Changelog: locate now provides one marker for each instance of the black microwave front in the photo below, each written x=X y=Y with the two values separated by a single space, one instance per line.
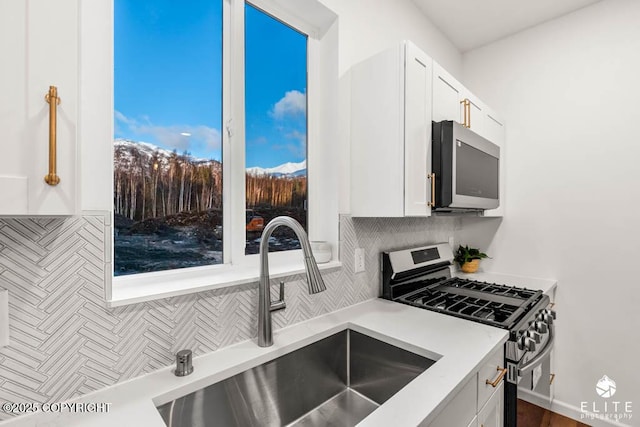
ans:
x=466 y=168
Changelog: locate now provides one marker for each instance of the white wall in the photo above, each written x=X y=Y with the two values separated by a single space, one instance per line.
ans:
x=367 y=27
x=371 y=26
x=569 y=92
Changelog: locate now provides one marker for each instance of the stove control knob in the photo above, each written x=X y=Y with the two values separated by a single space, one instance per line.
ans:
x=541 y=326
x=546 y=318
x=526 y=343
x=534 y=335
x=549 y=312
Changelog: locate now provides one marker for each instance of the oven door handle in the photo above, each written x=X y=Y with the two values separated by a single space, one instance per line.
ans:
x=538 y=359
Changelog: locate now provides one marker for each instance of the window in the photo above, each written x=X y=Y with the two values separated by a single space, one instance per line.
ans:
x=175 y=197
x=276 y=127
x=167 y=148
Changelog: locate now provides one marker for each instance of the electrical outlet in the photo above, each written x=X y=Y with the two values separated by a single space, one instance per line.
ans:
x=451 y=242
x=359 y=260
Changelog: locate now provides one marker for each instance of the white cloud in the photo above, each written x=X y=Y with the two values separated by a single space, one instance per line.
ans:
x=295 y=149
x=261 y=140
x=299 y=137
x=122 y=118
x=171 y=137
x=294 y=103
x=298 y=146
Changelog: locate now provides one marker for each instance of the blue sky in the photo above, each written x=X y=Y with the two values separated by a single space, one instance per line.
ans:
x=168 y=80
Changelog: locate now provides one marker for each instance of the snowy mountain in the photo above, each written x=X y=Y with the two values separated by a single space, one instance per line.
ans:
x=126 y=151
x=286 y=169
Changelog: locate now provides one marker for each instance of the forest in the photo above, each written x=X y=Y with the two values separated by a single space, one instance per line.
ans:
x=155 y=184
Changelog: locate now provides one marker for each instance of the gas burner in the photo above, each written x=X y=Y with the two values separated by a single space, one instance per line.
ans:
x=490 y=303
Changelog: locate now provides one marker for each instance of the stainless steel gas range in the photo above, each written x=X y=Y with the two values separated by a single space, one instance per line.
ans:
x=422 y=277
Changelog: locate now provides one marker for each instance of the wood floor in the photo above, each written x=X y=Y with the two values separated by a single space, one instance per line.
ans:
x=534 y=416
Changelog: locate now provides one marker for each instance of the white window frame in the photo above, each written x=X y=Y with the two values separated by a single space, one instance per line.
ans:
x=307 y=16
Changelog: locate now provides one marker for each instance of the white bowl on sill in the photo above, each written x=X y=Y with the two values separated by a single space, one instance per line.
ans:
x=321 y=251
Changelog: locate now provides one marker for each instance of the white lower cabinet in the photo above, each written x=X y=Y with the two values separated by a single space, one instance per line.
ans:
x=461 y=410
x=478 y=403
x=492 y=414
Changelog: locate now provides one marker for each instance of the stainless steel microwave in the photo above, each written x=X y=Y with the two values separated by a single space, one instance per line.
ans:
x=466 y=168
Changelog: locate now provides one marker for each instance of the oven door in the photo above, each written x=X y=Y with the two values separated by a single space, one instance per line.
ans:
x=534 y=372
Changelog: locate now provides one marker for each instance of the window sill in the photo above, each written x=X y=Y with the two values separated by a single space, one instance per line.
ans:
x=126 y=291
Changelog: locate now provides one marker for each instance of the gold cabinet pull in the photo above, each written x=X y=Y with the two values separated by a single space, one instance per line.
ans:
x=432 y=178
x=466 y=105
x=551 y=378
x=495 y=382
x=53 y=100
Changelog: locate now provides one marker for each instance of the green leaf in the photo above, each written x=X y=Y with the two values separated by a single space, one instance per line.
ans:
x=466 y=254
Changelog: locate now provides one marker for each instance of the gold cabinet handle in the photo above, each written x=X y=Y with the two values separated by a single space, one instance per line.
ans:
x=495 y=382
x=432 y=178
x=551 y=378
x=553 y=304
x=466 y=105
x=53 y=100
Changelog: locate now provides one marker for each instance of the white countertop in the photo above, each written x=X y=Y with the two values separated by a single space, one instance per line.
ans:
x=459 y=346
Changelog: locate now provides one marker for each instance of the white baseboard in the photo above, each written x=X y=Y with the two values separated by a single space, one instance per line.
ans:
x=565 y=409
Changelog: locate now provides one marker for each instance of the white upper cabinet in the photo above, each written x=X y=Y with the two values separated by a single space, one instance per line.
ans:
x=493 y=130
x=39 y=49
x=475 y=113
x=447 y=96
x=452 y=101
x=391 y=134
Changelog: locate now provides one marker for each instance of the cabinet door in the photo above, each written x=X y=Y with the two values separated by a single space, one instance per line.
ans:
x=494 y=132
x=461 y=410
x=490 y=372
x=492 y=414
x=417 y=122
x=39 y=44
x=476 y=113
x=13 y=48
x=447 y=94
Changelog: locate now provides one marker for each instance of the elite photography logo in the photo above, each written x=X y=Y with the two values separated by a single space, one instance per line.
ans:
x=603 y=408
x=606 y=387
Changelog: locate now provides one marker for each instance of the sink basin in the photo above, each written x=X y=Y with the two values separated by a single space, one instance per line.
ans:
x=336 y=381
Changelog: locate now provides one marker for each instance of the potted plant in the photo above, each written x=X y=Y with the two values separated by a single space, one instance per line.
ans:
x=469 y=258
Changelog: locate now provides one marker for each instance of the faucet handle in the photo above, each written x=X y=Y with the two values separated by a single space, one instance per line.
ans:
x=280 y=304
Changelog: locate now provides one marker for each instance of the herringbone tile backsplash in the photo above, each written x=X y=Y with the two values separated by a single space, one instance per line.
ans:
x=65 y=342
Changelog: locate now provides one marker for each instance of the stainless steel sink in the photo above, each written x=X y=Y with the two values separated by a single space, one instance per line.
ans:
x=336 y=381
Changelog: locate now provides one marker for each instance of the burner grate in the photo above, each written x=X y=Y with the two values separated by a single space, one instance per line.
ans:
x=490 y=303
x=493 y=288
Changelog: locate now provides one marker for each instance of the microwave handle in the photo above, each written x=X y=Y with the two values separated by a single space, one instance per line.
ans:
x=432 y=178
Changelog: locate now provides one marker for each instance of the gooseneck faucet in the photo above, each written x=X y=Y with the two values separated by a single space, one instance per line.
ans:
x=314 y=279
